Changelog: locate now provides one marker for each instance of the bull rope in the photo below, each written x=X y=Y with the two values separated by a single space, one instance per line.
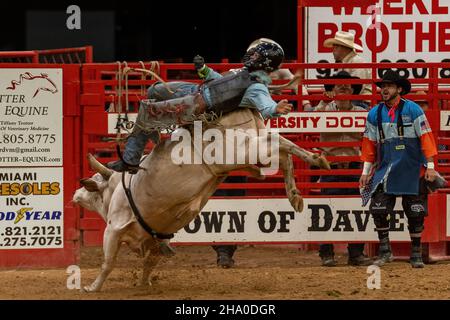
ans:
x=137 y=214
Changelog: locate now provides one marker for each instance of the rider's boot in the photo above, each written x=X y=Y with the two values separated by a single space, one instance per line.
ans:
x=133 y=152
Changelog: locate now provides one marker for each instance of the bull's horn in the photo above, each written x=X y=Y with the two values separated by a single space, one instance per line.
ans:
x=290 y=85
x=98 y=167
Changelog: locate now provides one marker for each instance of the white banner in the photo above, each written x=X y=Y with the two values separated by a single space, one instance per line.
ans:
x=31 y=208
x=306 y=122
x=274 y=220
x=445 y=120
x=302 y=122
x=409 y=31
x=31 y=117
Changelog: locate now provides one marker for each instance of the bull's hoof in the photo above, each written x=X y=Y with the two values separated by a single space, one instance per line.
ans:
x=166 y=249
x=296 y=202
x=145 y=283
x=91 y=288
x=323 y=163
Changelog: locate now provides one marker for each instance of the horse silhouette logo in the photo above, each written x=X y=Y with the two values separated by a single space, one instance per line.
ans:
x=43 y=82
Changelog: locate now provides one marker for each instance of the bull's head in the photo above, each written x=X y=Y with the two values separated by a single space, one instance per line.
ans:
x=90 y=195
x=93 y=195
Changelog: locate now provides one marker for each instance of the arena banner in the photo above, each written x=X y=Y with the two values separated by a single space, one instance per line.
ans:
x=406 y=31
x=31 y=208
x=31 y=117
x=308 y=122
x=445 y=120
x=274 y=220
x=302 y=122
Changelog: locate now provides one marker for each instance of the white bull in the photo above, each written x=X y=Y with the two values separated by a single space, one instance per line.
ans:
x=96 y=195
x=170 y=196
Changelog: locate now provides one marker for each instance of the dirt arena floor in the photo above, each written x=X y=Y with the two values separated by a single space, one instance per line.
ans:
x=260 y=273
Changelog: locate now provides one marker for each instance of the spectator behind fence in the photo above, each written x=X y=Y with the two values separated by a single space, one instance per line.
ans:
x=355 y=250
x=344 y=51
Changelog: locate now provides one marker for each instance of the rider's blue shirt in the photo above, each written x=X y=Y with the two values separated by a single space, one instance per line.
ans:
x=256 y=96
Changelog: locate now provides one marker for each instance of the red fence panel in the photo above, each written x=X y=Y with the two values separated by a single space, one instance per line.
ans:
x=66 y=55
x=19 y=57
x=62 y=56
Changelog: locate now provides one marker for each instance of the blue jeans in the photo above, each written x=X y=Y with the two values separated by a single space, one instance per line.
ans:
x=138 y=140
x=159 y=91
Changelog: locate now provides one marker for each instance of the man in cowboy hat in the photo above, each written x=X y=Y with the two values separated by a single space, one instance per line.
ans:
x=398 y=137
x=344 y=51
x=355 y=250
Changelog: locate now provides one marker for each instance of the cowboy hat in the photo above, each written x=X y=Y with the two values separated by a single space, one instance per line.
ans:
x=390 y=76
x=344 y=75
x=342 y=38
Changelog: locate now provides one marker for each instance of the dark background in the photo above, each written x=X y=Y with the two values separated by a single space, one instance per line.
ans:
x=152 y=30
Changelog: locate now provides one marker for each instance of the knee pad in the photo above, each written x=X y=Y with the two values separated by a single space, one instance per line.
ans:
x=414 y=207
x=381 y=204
x=415 y=224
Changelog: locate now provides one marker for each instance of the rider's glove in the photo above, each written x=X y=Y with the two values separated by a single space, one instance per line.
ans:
x=200 y=66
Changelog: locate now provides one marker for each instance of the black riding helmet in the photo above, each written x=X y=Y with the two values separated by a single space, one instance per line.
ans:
x=270 y=55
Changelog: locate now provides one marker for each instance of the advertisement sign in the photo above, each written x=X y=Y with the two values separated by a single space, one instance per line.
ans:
x=274 y=220
x=31 y=208
x=406 y=31
x=31 y=104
